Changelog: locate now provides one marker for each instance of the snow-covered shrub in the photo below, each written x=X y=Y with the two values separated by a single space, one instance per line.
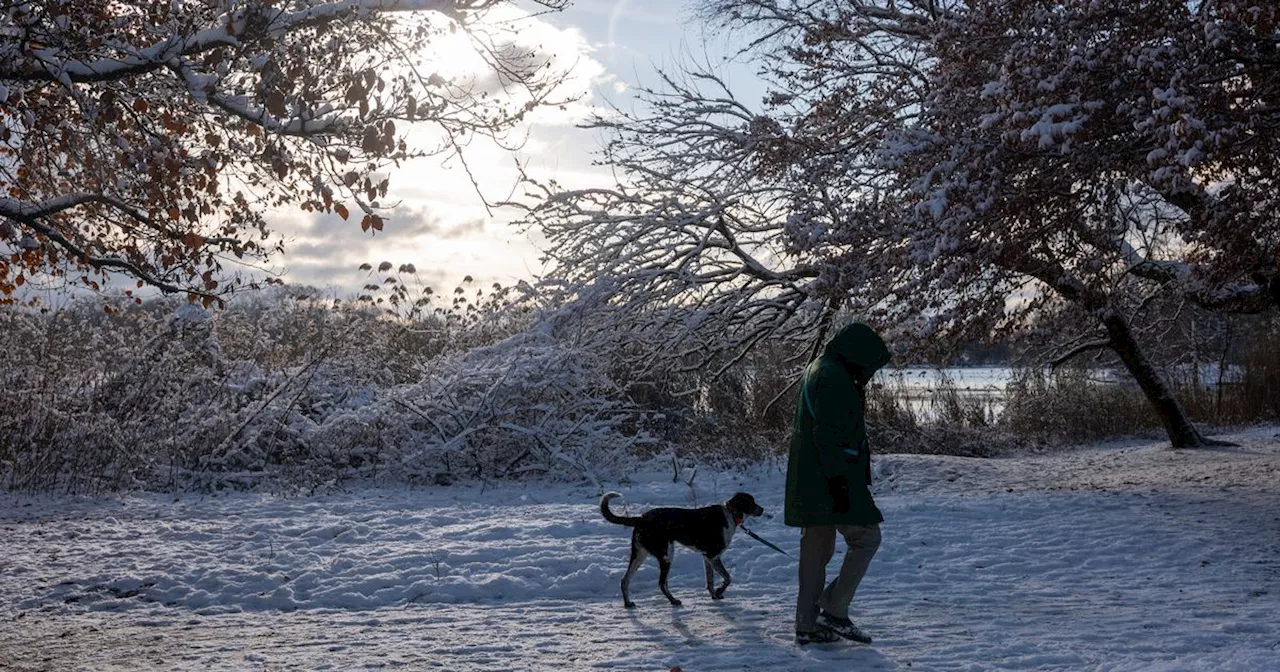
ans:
x=64 y=416
x=292 y=389
x=528 y=405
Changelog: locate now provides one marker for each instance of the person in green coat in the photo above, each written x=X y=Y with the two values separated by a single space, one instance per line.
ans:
x=829 y=482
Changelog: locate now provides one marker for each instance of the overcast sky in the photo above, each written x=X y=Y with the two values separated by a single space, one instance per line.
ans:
x=441 y=225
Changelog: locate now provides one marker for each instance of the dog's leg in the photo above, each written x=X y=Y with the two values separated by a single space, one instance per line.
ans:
x=664 y=568
x=711 y=585
x=638 y=554
x=718 y=594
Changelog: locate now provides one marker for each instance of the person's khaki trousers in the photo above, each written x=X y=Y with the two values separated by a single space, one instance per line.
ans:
x=817 y=545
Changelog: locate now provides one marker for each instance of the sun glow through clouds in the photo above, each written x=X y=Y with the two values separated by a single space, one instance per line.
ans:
x=439 y=220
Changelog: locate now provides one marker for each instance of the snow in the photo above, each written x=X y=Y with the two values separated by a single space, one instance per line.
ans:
x=68 y=71
x=190 y=313
x=1125 y=556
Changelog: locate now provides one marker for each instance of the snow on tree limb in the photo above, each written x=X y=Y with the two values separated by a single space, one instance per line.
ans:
x=50 y=65
x=950 y=170
x=149 y=138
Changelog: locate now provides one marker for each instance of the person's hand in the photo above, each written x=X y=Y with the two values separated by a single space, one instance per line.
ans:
x=839 y=489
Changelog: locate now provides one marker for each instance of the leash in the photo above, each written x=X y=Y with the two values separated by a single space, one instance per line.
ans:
x=764 y=541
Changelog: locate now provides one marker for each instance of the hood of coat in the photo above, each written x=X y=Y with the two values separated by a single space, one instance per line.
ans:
x=860 y=349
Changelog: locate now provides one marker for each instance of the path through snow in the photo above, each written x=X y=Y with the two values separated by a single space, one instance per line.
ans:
x=1126 y=557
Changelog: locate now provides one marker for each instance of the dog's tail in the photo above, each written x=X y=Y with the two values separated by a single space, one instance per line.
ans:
x=629 y=521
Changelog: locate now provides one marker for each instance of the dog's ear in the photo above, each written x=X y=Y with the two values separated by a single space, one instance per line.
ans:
x=745 y=503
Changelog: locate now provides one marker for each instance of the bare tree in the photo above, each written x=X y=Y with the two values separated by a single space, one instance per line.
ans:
x=686 y=249
x=951 y=170
x=149 y=137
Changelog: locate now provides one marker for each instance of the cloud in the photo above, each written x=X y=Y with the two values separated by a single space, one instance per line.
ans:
x=418 y=221
x=441 y=223
x=565 y=50
x=322 y=250
x=327 y=236
x=614 y=16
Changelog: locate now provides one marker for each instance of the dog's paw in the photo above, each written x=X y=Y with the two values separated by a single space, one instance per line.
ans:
x=676 y=603
x=719 y=594
x=629 y=605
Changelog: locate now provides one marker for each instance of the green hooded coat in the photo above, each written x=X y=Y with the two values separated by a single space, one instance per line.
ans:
x=829 y=434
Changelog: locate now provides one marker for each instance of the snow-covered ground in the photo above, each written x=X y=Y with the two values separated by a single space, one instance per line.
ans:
x=1120 y=557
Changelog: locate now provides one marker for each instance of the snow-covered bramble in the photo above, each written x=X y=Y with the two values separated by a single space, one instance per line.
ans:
x=290 y=389
x=527 y=405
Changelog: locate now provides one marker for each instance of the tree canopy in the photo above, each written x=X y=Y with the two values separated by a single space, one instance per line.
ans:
x=149 y=138
x=950 y=170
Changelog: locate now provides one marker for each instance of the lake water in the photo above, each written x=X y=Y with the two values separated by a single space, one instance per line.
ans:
x=977 y=379
x=922 y=386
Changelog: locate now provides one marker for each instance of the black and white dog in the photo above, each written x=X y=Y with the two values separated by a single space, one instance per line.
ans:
x=707 y=530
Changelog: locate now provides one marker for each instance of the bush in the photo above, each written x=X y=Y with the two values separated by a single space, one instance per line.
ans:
x=296 y=390
x=1069 y=406
x=1077 y=404
x=528 y=405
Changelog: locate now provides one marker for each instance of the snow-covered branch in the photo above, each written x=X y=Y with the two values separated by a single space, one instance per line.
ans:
x=110 y=263
x=239 y=19
x=205 y=88
x=953 y=171
x=30 y=211
x=151 y=140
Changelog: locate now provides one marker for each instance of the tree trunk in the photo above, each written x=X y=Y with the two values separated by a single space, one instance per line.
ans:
x=1182 y=434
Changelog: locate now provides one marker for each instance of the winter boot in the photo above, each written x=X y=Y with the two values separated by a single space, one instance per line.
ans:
x=819 y=636
x=843 y=627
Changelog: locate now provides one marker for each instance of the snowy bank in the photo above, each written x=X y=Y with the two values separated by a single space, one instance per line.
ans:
x=1120 y=557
